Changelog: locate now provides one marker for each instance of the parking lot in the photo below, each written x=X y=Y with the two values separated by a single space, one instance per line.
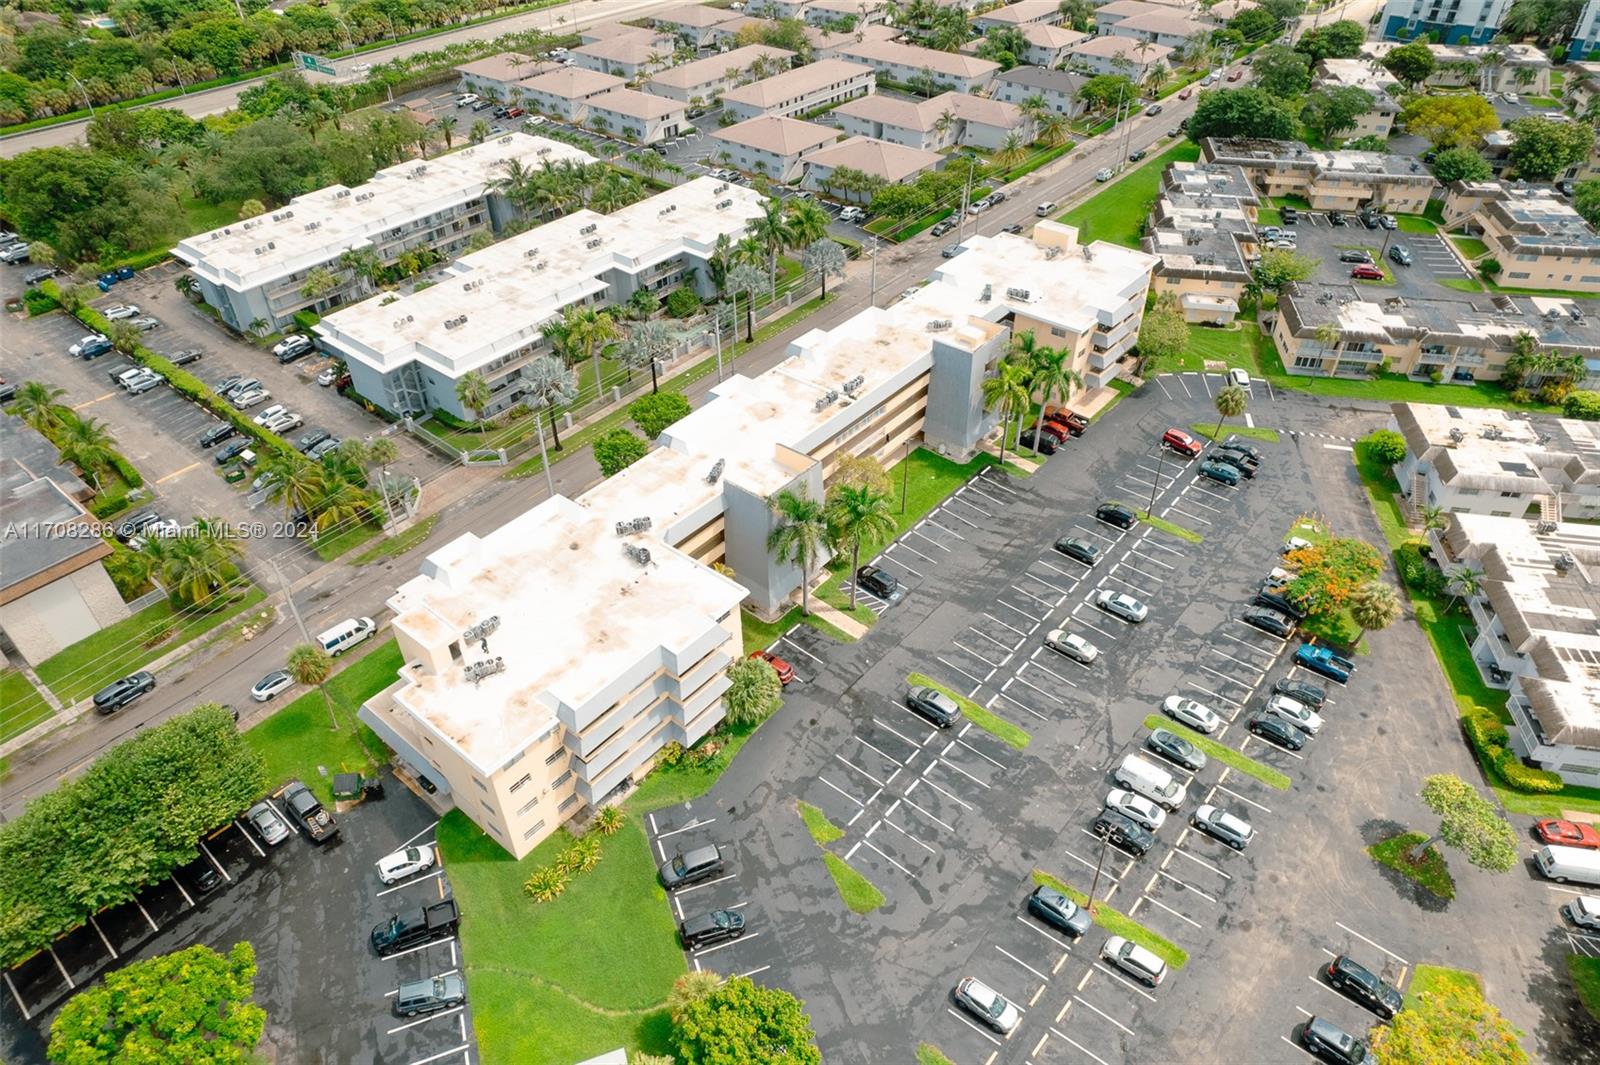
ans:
x=307 y=910
x=1431 y=261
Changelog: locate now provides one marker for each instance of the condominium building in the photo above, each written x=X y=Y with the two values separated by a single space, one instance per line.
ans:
x=487 y=315
x=1449 y=21
x=255 y=269
x=629 y=56
x=773 y=146
x=944 y=121
x=858 y=12
x=1330 y=181
x=1108 y=15
x=1369 y=77
x=700 y=82
x=1048 y=46
x=911 y=64
x=825 y=44
x=1167 y=28
x=1586 y=34
x=726 y=36
x=640 y=117
x=1112 y=54
x=1017 y=15
x=892 y=163
x=800 y=90
x=1536 y=632
x=497 y=76
x=565 y=93
x=526 y=716
x=1059 y=89
x=1203 y=227
x=1499 y=67
x=1227 y=9
x=693 y=24
x=611 y=31
x=1479 y=460
x=1540 y=240
x=1342 y=330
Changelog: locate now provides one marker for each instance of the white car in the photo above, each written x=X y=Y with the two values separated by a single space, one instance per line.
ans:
x=119 y=311
x=279 y=680
x=1134 y=960
x=466 y=99
x=328 y=376
x=1104 y=174
x=558 y=52
x=1239 y=377
x=283 y=422
x=1195 y=715
x=1584 y=911
x=404 y=863
x=144 y=382
x=1294 y=543
x=1072 y=645
x=92 y=340
x=1296 y=713
x=1122 y=605
x=1219 y=824
x=270 y=413
x=1136 y=807
x=852 y=214
x=16 y=252
x=534 y=120
x=361 y=68
x=246 y=400
x=291 y=344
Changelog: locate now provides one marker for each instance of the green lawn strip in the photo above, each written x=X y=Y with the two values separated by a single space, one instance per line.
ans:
x=669 y=785
x=521 y=1019
x=117 y=650
x=21 y=705
x=830 y=592
x=1428 y=978
x=1169 y=527
x=1249 y=432
x=1222 y=753
x=858 y=893
x=1414 y=223
x=1235 y=347
x=1122 y=389
x=1430 y=872
x=928 y=1054
x=1471 y=247
x=1118 y=923
x=1552 y=293
x=1269 y=216
x=348 y=539
x=399 y=544
x=987 y=720
x=1117 y=214
x=1462 y=284
x=1585 y=973
x=822 y=830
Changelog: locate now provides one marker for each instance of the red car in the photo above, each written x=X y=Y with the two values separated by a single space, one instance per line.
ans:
x=1181 y=442
x=1367 y=273
x=1071 y=421
x=1236 y=75
x=1568 y=834
x=515 y=112
x=784 y=669
x=1185 y=94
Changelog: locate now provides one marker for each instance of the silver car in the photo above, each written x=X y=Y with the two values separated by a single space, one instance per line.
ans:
x=1072 y=645
x=268 y=823
x=1139 y=963
x=988 y=1005
x=1121 y=605
x=1218 y=823
x=1296 y=713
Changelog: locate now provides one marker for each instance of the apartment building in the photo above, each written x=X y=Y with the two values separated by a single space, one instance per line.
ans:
x=1017 y=15
x=825 y=44
x=1203 y=228
x=1109 y=14
x=1479 y=460
x=1540 y=240
x=911 y=64
x=773 y=146
x=1048 y=46
x=944 y=121
x=1227 y=9
x=1369 y=77
x=407 y=354
x=527 y=717
x=1342 y=330
x=565 y=93
x=700 y=82
x=1112 y=54
x=497 y=76
x=892 y=163
x=1057 y=88
x=1536 y=617
x=1449 y=21
x=1582 y=85
x=800 y=90
x=1500 y=67
x=640 y=117
x=1329 y=180
x=1166 y=28
x=858 y=12
x=693 y=24
x=631 y=56
x=778 y=8
x=255 y=268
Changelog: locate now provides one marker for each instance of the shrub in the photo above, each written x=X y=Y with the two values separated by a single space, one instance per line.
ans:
x=1489 y=266
x=1521 y=395
x=683 y=302
x=1585 y=405
x=754 y=692
x=109 y=503
x=1387 y=446
x=618 y=449
x=545 y=884
x=306 y=319
x=450 y=421
x=609 y=821
x=1526 y=778
x=1555 y=392
x=1484 y=732
x=39 y=302
x=582 y=856
x=671 y=755
x=653 y=413
x=126 y=471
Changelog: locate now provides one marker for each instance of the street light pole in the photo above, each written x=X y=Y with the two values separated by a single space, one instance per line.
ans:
x=905 y=477
x=873 y=296
x=1161 y=458
x=1094 y=885
x=88 y=102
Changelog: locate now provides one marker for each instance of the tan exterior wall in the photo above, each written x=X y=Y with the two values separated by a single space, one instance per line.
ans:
x=1195 y=286
x=61 y=613
x=1524 y=270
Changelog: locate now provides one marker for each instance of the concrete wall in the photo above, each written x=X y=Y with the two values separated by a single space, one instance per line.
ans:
x=956 y=419
x=748 y=522
x=61 y=613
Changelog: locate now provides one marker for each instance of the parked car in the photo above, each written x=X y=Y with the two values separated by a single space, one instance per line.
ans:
x=16 y=252
x=232 y=451
x=1122 y=831
x=951 y=251
x=1058 y=911
x=1241 y=463
x=1078 y=550
x=1358 y=982
x=1196 y=715
x=879 y=582
x=1181 y=442
x=1044 y=443
x=292 y=347
x=1013 y=228
x=408 y=861
x=328 y=376
x=705 y=929
x=1220 y=472
x=1137 y=808
x=1121 y=605
x=934 y=706
x=1400 y=254
x=327 y=447
x=691 y=867
x=120 y=312
x=435 y=921
x=1337 y=218
x=1045 y=209
x=1387 y=221
x=249 y=398
x=1289 y=215
x=1275 y=730
x=1139 y=963
x=1281 y=603
x=1116 y=514
x=185 y=356
x=311 y=438
x=284 y=422
x=1174 y=748
x=1218 y=823
x=38 y=274
x=279 y=680
x=201 y=876
x=1135 y=156
x=1325 y=661
x=1235 y=75
x=1567 y=833
x=429 y=995
x=145 y=322
x=1355 y=255
x=987 y=1004
x=852 y=214
x=1367 y=273
x=216 y=434
x=1186 y=92
x=1153 y=110
x=268 y=823
x=1327 y=1041
x=134 y=524
x=942 y=227
x=124 y=690
x=780 y=666
x=1105 y=173
x=1269 y=622
x=1070 y=420
x=1072 y=645
x=1302 y=691
x=1296 y=713
x=80 y=349
x=143 y=382
x=1583 y=911
x=270 y=413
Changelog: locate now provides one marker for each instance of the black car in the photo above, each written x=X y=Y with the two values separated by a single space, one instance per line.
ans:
x=135 y=524
x=880 y=582
x=704 y=929
x=311 y=438
x=941 y=228
x=1242 y=448
x=1080 y=550
x=1276 y=730
x=217 y=434
x=1124 y=832
x=1331 y=1043
x=1281 y=603
x=1116 y=514
x=1355 y=255
x=691 y=867
x=1174 y=748
x=1058 y=911
x=43 y=273
x=1302 y=691
x=1134 y=157
x=1269 y=622
x=1239 y=462
x=933 y=705
x=1337 y=218
x=201 y=876
x=1044 y=443
x=231 y=452
x=120 y=693
x=1358 y=982
x=1289 y=215
x=185 y=357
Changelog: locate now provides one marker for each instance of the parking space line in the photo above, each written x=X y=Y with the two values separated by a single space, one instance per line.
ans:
x=1112 y=576
x=677 y=894
x=1022 y=963
x=1185 y=885
x=1102 y=1012
x=996 y=500
x=1040 y=930
x=1201 y=862
x=463 y=1049
x=696 y=823
x=1145 y=541
x=917 y=531
x=1237 y=661
x=1035 y=598
x=956 y=498
x=248 y=838
x=425 y=1020
x=1052 y=672
x=452 y=939
x=1079 y=858
x=1036 y=688
x=15 y=996
x=868 y=843
x=947 y=529
x=959 y=802
x=897 y=732
x=413 y=838
x=974 y=1027
x=1169 y=909
x=1049 y=584
x=958 y=669
x=903 y=565
x=797 y=647
x=870 y=747
x=1214 y=695
x=409 y=883
x=902 y=543
x=906 y=798
x=1019 y=704
x=1080 y=1046
x=1242 y=798
x=1019 y=610
x=945 y=511
x=1380 y=946
x=1177 y=508
x=1140 y=572
x=1198 y=503
x=1075 y=575
x=906 y=834
x=844 y=761
x=1003 y=625
x=981 y=658
x=943 y=761
x=731 y=942
x=214 y=861
x=998 y=643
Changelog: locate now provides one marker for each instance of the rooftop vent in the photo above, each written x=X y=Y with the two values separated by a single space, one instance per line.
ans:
x=313 y=225
x=542 y=151
x=668 y=209
x=825 y=400
x=456 y=322
x=716 y=471
x=1564 y=562
x=590 y=228
x=988 y=291
x=721 y=204
x=530 y=253
x=595 y=243
x=938 y=325
x=476 y=672
x=482 y=630
x=1457 y=435
x=540 y=265
x=720 y=189
x=1019 y=294
x=640 y=555
x=341 y=194
x=632 y=526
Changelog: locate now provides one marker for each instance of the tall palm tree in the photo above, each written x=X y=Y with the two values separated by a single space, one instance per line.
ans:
x=1230 y=402
x=1011 y=150
x=798 y=535
x=807 y=223
x=198 y=565
x=1052 y=375
x=88 y=445
x=309 y=664
x=1465 y=584
x=549 y=382
x=36 y=404
x=295 y=481
x=747 y=278
x=772 y=231
x=342 y=502
x=472 y=392
x=645 y=344
x=1007 y=390
x=446 y=125
x=589 y=331
x=857 y=515
x=1374 y=606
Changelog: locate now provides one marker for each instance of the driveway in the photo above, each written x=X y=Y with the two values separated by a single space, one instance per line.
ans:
x=1431 y=262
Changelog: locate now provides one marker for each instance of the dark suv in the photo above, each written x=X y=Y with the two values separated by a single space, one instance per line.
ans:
x=1358 y=982
x=1116 y=514
x=1123 y=831
x=120 y=693
x=1302 y=691
x=1239 y=462
x=933 y=705
x=880 y=582
x=1331 y=1043
x=705 y=929
x=1281 y=603
x=701 y=863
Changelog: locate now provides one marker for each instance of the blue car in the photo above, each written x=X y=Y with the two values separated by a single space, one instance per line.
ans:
x=1324 y=661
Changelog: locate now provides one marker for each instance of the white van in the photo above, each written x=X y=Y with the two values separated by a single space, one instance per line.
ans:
x=1151 y=781
x=346 y=634
x=1562 y=864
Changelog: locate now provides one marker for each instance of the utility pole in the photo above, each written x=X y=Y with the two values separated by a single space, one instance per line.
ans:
x=1161 y=456
x=544 y=456
x=1105 y=844
x=305 y=636
x=873 y=288
x=905 y=477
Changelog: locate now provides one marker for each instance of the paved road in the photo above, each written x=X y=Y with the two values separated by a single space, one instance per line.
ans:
x=578 y=14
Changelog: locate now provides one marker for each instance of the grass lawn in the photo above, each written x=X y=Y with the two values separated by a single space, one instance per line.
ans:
x=835 y=596
x=858 y=893
x=391 y=546
x=1117 y=214
x=760 y=634
x=1586 y=979
x=987 y=720
x=1471 y=247
x=1249 y=432
x=1553 y=293
x=1169 y=527
x=300 y=741
x=330 y=548
x=1426 y=978
x=79 y=671
x=1462 y=284
x=668 y=785
x=1222 y=753
x=21 y=705
x=822 y=830
x=546 y=981
x=1415 y=223
x=1236 y=347
x=201 y=217
x=1118 y=923
x=1430 y=871
x=928 y=1054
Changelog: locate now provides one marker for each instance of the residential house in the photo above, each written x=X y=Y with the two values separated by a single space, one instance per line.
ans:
x=693 y=24
x=1540 y=240
x=800 y=90
x=772 y=146
x=1329 y=180
x=1166 y=28
x=639 y=117
x=627 y=57
x=892 y=163
x=1372 y=79
x=1119 y=55
x=910 y=64
x=1019 y=14
x=825 y=44
x=707 y=79
x=1057 y=88
x=497 y=76
x=566 y=93
x=1109 y=14
x=858 y=13
x=945 y=121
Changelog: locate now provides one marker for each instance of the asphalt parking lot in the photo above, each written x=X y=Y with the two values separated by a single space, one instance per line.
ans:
x=307 y=910
x=1431 y=261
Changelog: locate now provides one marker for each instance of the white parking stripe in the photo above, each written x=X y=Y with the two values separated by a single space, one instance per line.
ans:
x=959 y=802
x=1040 y=930
x=974 y=1027
x=1112 y=576
x=898 y=562
x=897 y=732
x=873 y=847
x=998 y=643
x=1201 y=862
x=1170 y=910
x=963 y=772
x=1014 y=629
x=1035 y=598
x=1080 y=858
x=1185 y=885
x=1214 y=695
x=797 y=647
x=1145 y=541
x=906 y=834
x=870 y=747
x=1036 y=688
x=907 y=798
x=1242 y=798
x=1080 y=1046
x=840 y=790
x=951 y=531
x=1022 y=963
x=1102 y=1012
x=1052 y=672
x=690 y=826
x=981 y=658
x=902 y=544
x=731 y=942
x=1380 y=946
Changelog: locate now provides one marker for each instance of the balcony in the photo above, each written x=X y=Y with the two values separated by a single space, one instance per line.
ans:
x=1464 y=358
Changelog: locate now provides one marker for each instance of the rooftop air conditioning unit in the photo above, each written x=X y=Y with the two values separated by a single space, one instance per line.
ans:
x=640 y=555
x=938 y=325
x=595 y=243
x=590 y=228
x=716 y=472
x=724 y=204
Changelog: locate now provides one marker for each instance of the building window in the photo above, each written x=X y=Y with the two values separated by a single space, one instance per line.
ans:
x=529 y=834
x=525 y=778
x=567 y=802
x=562 y=779
x=530 y=804
x=480 y=783
x=555 y=756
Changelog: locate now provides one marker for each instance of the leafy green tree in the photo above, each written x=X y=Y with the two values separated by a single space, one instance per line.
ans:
x=1163 y=334
x=1281 y=71
x=1106 y=90
x=1543 y=148
x=1332 y=111
x=1448 y=1024
x=861 y=471
x=472 y=392
x=174 y=1009
x=1371 y=142
x=1386 y=445
x=1583 y=405
x=1374 y=607
x=1411 y=64
x=1470 y=823
x=754 y=692
x=1464 y=164
x=857 y=516
x=1331 y=572
x=688 y=989
x=1337 y=40
x=655 y=412
x=799 y=533
x=901 y=201
x=742 y=1023
x=1280 y=266
x=617 y=449
x=1245 y=112
x=1254 y=24
x=1457 y=120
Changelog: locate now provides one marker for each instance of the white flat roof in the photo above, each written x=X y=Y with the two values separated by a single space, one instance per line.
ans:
x=498 y=298
x=318 y=226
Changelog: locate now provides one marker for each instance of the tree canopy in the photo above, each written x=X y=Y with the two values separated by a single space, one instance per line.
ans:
x=1280 y=266
x=1448 y=1023
x=1163 y=334
x=617 y=449
x=1247 y=112
x=1411 y=64
x=1281 y=71
x=1335 y=110
x=1460 y=164
x=742 y=1023
x=1332 y=571
x=1543 y=148
x=754 y=692
x=1336 y=40
x=1470 y=823
x=653 y=413
x=1450 y=121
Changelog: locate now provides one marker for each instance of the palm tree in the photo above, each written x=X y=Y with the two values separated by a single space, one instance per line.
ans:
x=472 y=392
x=1464 y=584
x=309 y=664
x=1052 y=374
x=260 y=326
x=747 y=278
x=1433 y=518
x=1011 y=151
x=807 y=223
x=825 y=257
x=341 y=503
x=36 y=404
x=363 y=264
x=589 y=331
x=549 y=382
x=771 y=230
x=124 y=337
x=1007 y=390
x=88 y=445
x=318 y=283
x=645 y=344
x=1231 y=402
x=1374 y=606
x=479 y=132
x=294 y=481
x=446 y=125
x=857 y=515
x=381 y=453
x=198 y=564
x=798 y=535
x=188 y=286
x=1328 y=335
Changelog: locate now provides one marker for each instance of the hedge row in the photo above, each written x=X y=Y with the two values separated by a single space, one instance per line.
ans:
x=1490 y=741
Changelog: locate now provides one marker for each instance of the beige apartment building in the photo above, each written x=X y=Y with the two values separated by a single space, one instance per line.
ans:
x=1540 y=240
x=1203 y=227
x=1329 y=181
x=802 y=89
x=1372 y=79
x=700 y=82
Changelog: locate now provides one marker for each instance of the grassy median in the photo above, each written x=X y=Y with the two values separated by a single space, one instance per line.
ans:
x=1169 y=527
x=1119 y=923
x=822 y=830
x=859 y=893
x=1222 y=753
x=987 y=720
x=1430 y=870
x=1253 y=432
